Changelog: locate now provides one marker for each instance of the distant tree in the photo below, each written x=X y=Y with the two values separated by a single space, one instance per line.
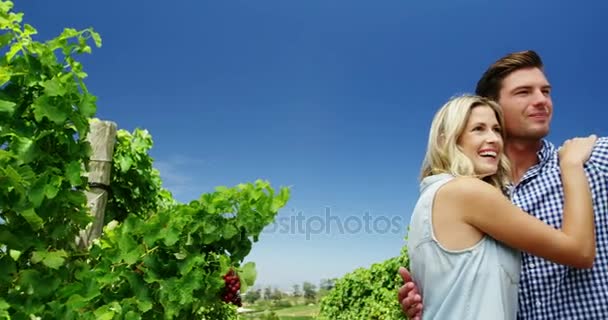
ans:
x=327 y=284
x=310 y=290
x=267 y=293
x=296 y=291
x=253 y=295
x=276 y=294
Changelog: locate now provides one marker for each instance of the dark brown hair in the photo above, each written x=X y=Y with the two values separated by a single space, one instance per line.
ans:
x=491 y=82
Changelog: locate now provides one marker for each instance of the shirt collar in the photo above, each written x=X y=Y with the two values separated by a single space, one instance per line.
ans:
x=545 y=154
x=547 y=150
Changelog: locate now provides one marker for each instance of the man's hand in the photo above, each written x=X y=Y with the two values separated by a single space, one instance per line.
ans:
x=409 y=298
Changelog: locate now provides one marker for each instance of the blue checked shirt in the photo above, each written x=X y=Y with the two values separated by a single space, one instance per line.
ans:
x=548 y=290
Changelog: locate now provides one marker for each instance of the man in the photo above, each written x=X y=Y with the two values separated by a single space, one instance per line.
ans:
x=546 y=290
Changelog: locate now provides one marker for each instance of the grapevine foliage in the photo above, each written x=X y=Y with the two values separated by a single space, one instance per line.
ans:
x=157 y=259
x=44 y=116
x=136 y=186
x=367 y=293
x=170 y=264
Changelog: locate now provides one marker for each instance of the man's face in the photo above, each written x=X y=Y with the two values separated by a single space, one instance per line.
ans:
x=525 y=97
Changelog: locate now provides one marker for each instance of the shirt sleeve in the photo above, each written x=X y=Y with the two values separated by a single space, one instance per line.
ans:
x=599 y=155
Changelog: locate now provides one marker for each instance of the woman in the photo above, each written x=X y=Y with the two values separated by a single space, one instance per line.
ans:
x=465 y=234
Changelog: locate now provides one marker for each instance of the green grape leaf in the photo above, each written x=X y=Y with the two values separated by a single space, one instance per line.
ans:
x=6 y=38
x=104 y=313
x=5 y=7
x=24 y=149
x=36 y=193
x=52 y=259
x=247 y=275
x=72 y=172
x=38 y=256
x=43 y=107
x=3 y=307
x=229 y=231
x=15 y=48
x=171 y=236
x=96 y=38
x=69 y=33
x=55 y=259
x=15 y=254
x=32 y=218
x=52 y=187
x=54 y=87
x=29 y=30
x=87 y=105
x=125 y=163
x=76 y=301
x=6 y=106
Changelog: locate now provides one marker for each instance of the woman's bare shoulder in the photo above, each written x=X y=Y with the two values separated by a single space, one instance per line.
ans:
x=466 y=187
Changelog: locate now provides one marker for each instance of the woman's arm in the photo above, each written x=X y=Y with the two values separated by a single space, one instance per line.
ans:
x=485 y=208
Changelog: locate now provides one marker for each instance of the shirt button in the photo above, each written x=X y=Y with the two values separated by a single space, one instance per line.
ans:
x=538 y=303
x=531 y=265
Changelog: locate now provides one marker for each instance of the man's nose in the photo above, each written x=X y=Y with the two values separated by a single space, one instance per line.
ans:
x=540 y=98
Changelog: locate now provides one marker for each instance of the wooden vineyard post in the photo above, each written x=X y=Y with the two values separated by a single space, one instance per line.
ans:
x=102 y=138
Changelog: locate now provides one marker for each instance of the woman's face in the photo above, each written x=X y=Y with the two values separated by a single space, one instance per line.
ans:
x=481 y=141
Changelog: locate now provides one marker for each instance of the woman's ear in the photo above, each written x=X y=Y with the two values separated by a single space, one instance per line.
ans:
x=441 y=140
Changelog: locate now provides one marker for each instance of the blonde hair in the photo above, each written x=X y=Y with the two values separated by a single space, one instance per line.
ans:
x=444 y=155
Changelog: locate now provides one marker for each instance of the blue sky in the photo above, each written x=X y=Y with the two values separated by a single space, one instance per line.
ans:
x=332 y=98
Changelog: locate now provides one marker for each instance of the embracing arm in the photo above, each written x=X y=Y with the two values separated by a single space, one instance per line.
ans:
x=485 y=208
x=408 y=296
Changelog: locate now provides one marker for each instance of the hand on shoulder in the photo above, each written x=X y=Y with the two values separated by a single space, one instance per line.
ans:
x=576 y=151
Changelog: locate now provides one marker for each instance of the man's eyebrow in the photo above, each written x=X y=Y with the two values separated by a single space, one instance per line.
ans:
x=528 y=87
x=521 y=88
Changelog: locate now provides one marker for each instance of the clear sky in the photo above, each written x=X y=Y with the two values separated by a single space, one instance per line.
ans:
x=331 y=97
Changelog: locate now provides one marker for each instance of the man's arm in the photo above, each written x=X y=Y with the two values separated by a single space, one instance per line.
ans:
x=409 y=298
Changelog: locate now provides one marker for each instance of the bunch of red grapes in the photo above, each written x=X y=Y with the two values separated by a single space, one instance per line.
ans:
x=231 y=290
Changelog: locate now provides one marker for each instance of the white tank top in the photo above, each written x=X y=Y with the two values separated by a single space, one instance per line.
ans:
x=479 y=282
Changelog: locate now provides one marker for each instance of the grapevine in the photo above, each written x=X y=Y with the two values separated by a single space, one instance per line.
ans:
x=157 y=259
x=367 y=293
x=136 y=186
